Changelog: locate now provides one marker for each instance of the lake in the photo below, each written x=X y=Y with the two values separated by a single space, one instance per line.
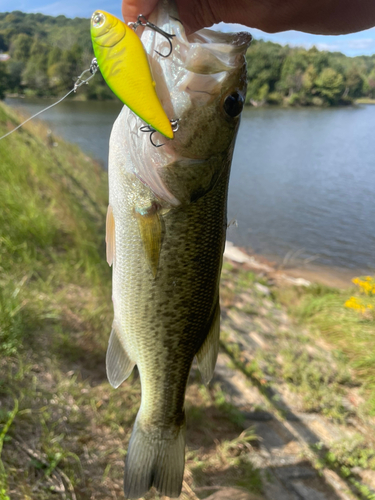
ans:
x=302 y=184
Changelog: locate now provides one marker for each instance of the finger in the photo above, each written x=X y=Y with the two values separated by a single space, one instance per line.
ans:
x=132 y=8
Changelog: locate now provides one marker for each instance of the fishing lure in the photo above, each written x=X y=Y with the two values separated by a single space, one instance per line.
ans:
x=124 y=65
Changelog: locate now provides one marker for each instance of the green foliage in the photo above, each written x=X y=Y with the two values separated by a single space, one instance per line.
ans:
x=334 y=316
x=3 y=80
x=300 y=77
x=321 y=385
x=20 y=47
x=330 y=85
x=371 y=84
x=46 y=55
x=48 y=230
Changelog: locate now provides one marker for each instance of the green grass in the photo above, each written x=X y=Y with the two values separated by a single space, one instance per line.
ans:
x=55 y=306
x=365 y=100
x=64 y=431
x=322 y=352
x=349 y=332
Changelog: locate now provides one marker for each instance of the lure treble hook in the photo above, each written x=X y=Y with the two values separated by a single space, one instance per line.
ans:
x=148 y=128
x=143 y=21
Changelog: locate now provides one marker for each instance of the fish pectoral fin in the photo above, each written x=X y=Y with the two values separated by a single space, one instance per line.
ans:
x=207 y=354
x=110 y=236
x=118 y=364
x=150 y=228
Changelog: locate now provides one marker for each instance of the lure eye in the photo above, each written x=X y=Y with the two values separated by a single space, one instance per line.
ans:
x=233 y=104
x=98 y=19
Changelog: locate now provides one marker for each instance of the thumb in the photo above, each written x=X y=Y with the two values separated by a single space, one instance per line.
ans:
x=132 y=8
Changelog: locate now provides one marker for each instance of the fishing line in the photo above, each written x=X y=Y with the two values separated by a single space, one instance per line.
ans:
x=80 y=81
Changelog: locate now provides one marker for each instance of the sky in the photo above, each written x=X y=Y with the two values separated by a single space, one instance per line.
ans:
x=351 y=45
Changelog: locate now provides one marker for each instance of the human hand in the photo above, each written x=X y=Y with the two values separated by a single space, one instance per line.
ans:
x=319 y=16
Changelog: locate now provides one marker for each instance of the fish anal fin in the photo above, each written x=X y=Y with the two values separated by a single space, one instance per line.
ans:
x=110 y=236
x=207 y=354
x=150 y=228
x=118 y=363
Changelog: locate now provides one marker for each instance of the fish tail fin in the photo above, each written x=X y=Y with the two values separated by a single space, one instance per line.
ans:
x=155 y=459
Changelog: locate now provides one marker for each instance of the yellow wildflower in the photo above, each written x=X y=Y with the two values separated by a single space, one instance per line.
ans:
x=357 y=305
x=366 y=285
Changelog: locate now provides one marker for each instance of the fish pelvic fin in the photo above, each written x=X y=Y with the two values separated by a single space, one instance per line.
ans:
x=155 y=458
x=110 y=236
x=207 y=354
x=118 y=364
x=150 y=229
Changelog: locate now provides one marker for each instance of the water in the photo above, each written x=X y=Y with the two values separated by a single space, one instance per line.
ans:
x=302 y=184
x=305 y=179
x=86 y=123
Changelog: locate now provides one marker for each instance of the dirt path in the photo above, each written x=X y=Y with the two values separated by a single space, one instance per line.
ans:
x=261 y=353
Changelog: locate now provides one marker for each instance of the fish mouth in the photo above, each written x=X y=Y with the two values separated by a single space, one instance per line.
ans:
x=199 y=64
x=202 y=70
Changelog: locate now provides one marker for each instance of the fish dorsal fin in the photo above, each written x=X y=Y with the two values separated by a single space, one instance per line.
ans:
x=207 y=354
x=150 y=229
x=119 y=365
x=110 y=236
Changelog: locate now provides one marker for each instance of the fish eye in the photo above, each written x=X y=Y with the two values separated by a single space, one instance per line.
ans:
x=98 y=19
x=233 y=104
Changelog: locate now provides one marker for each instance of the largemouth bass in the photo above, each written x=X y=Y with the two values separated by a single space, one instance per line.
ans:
x=166 y=227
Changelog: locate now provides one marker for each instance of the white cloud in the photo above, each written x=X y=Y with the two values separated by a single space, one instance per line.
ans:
x=363 y=44
x=330 y=47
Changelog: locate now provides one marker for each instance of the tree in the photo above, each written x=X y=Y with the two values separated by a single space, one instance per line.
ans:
x=308 y=79
x=330 y=85
x=3 y=80
x=371 y=83
x=15 y=70
x=264 y=63
x=20 y=47
x=354 y=82
x=293 y=69
x=3 y=44
x=35 y=74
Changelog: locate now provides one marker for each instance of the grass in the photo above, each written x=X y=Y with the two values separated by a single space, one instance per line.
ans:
x=365 y=100
x=349 y=332
x=64 y=431
x=323 y=353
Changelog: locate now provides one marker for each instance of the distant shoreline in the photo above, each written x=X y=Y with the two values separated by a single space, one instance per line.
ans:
x=83 y=97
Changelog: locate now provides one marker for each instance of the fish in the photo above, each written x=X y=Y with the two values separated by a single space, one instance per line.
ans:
x=166 y=228
x=124 y=65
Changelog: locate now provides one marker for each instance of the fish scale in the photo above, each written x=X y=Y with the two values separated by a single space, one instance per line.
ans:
x=166 y=228
x=163 y=297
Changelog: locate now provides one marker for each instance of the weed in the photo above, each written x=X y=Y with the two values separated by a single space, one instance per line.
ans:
x=349 y=333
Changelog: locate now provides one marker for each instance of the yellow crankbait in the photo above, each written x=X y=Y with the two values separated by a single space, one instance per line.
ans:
x=124 y=65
